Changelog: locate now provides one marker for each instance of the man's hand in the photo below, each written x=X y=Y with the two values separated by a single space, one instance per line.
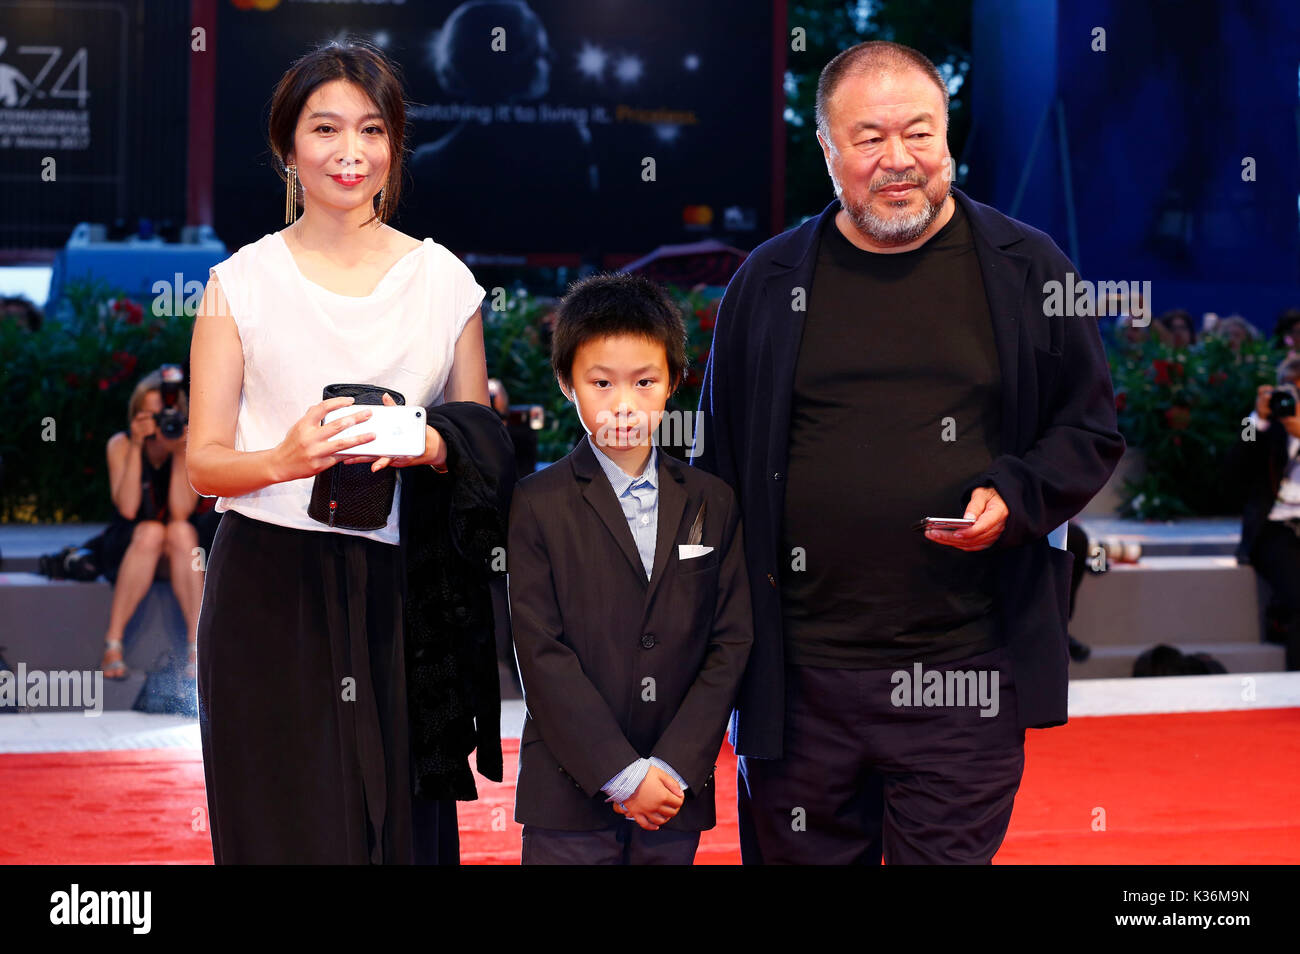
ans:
x=990 y=513
x=657 y=799
x=1292 y=425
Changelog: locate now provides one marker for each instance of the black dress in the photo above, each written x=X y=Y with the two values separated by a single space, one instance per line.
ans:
x=300 y=634
x=154 y=484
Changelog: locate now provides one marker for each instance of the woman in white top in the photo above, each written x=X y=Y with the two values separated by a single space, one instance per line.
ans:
x=301 y=679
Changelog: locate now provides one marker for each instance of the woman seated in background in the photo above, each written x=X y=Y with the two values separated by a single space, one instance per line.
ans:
x=157 y=524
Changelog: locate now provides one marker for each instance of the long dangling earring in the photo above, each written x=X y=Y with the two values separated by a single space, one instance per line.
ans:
x=291 y=195
x=383 y=204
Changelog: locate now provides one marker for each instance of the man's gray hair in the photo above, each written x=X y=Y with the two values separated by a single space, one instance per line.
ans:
x=1288 y=370
x=872 y=57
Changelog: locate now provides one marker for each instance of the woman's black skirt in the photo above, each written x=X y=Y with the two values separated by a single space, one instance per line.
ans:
x=117 y=536
x=302 y=700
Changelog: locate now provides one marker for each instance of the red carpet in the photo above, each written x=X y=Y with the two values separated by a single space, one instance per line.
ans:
x=127 y=807
x=1199 y=788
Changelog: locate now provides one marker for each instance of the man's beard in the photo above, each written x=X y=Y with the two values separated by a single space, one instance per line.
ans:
x=895 y=230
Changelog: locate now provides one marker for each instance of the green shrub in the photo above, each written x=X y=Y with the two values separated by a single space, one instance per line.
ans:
x=67 y=386
x=66 y=389
x=1184 y=410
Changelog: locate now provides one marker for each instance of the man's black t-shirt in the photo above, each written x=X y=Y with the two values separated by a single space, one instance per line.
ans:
x=896 y=404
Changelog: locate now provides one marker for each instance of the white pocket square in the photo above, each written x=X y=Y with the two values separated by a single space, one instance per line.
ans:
x=689 y=551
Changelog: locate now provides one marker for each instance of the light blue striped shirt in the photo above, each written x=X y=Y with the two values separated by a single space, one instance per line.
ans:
x=639 y=498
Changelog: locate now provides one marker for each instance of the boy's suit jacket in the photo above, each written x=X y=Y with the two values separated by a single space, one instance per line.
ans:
x=616 y=666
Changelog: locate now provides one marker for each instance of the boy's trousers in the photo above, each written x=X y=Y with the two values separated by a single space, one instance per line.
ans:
x=628 y=844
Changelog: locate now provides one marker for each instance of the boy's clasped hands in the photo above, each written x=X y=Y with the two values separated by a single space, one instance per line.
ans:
x=657 y=799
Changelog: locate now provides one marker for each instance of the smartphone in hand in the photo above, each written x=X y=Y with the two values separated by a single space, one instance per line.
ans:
x=943 y=523
x=398 y=429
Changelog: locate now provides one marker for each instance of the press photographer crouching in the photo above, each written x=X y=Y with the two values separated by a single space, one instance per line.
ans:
x=1267 y=471
x=159 y=519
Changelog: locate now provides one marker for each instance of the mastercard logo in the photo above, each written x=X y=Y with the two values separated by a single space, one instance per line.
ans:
x=697 y=215
x=254 y=4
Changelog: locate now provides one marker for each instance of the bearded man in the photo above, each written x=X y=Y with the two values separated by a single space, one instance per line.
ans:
x=885 y=362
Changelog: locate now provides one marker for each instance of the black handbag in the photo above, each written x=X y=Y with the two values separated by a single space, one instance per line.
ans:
x=352 y=496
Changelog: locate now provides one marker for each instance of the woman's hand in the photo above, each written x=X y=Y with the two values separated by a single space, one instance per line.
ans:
x=435 y=450
x=142 y=425
x=310 y=447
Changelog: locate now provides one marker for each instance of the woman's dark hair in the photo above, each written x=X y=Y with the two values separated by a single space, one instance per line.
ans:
x=608 y=305
x=1167 y=320
x=1286 y=325
x=357 y=62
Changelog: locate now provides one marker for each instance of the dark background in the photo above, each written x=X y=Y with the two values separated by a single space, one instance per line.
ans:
x=136 y=78
x=1129 y=158
x=513 y=186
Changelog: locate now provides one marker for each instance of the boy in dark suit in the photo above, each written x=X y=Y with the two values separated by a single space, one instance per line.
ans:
x=629 y=601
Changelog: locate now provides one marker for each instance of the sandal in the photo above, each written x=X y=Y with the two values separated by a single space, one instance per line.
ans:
x=113 y=668
x=192 y=662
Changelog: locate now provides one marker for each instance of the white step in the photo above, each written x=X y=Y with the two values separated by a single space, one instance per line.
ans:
x=1180 y=600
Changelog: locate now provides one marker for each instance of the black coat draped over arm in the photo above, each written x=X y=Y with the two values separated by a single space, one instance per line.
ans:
x=453 y=538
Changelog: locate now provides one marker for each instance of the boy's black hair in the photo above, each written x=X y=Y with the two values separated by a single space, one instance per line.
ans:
x=611 y=304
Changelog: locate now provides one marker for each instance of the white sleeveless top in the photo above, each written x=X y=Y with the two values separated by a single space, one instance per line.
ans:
x=298 y=337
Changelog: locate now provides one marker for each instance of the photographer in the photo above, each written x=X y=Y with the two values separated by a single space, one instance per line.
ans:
x=158 y=522
x=1286 y=333
x=1267 y=473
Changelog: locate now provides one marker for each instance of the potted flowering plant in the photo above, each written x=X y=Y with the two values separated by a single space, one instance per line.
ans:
x=1183 y=409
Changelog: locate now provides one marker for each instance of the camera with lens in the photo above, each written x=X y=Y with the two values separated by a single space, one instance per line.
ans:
x=70 y=563
x=1281 y=403
x=170 y=420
